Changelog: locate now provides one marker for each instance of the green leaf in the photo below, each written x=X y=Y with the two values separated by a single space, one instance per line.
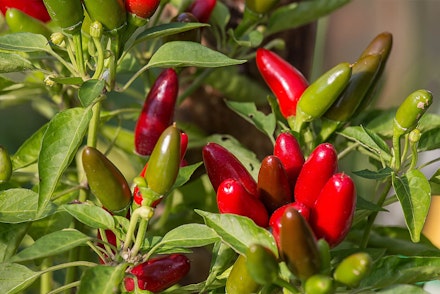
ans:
x=167 y=29
x=239 y=232
x=11 y=236
x=19 y=205
x=248 y=111
x=91 y=215
x=429 y=140
x=24 y=42
x=374 y=175
x=414 y=193
x=29 y=151
x=362 y=203
x=183 y=53
x=89 y=91
x=399 y=289
x=392 y=270
x=185 y=174
x=300 y=13
x=189 y=235
x=52 y=244
x=434 y=181
x=60 y=142
x=14 y=278
x=10 y=62
x=102 y=279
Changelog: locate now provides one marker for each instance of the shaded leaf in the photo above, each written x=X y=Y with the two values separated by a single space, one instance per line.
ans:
x=102 y=279
x=24 y=42
x=29 y=151
x=374 y=175
x=89 y=91
x=15 y=277
x=10 y=62
x=91 y=215
x=11 y=236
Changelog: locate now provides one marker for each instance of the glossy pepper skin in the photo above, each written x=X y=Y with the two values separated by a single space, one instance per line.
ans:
x=142 y=8
x=317 y=169
x=67 y=14
x=202 y=9
x=34 y=8
x=18 y=22
x=411 y=110
x=157 y=112
x=261 y=6
x=5 y=165
x=353 y=269
x=298 y=245
x=220 y=165
x=163 y=165
x=288 y=150
x=285 y=81
x=110 y=13
x=262 y=264
x=319 y=284
x=332 y=214
x=322 y=93
x=275 y=218
x=105 y=180
x=232 y=197
x=159 y=273
x=239 y=280
x=273 y=184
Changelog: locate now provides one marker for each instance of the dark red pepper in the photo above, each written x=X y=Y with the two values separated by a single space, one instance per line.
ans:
x=157 y=112
x=34 y=8
x=332 y=215
x=142 y=8
x=317 y=169
x=202 y=9
x=160 y=273
x=220 y=165
x=273 y=184
x=286 y=82
x=232 y=197
x=288 y=150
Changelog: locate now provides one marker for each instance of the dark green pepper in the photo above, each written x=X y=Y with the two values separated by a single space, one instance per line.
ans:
x=111 y=13
x=164 y=162
x=319 y=284
x=19 y=22
x=353 y=269
x=5 y=165
x=105 y=181
x=262 y=264
x=67 y=14
x=239 y=280
x=298 y=245
x=321 y=94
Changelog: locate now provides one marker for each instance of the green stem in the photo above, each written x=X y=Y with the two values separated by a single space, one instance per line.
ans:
x=77 y=41
x=92 y=136
x=67 y=265
x=67 y=65
x=414 y=157
x=286 y=285
x=372 y=217
x=65 y=287
x=71 y=271
x=198 y=81
x=46 y=278
x=100 y=61
x=397 y=153
x=146 y=213
x=131 y=230
x=347 y=150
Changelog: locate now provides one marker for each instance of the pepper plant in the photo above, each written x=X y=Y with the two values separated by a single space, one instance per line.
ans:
x=118 y=193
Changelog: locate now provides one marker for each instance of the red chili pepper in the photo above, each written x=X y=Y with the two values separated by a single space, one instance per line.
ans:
x=142 y=8
x=275 y=218
x=317 y=169
x=157 y=112
x=332 y=215
x=286 y=82
x=34 y=8
x=202 y=9
x=160 y=273
x=273 y=184
x=288 y=150
x=220 y=165
x=232 y=197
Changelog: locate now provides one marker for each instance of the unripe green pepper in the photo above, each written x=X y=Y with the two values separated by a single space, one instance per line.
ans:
x=67 y=14
x=411 y=110
x=19 y=22
x=321 y=94
x=5 y=165
x=105 y=181
x=239 y=280
x=262 y=264
x=163 y=165
x=298 y=245
x=261 y=6
x=353 y=269
x=319 y=284
x=111 y=13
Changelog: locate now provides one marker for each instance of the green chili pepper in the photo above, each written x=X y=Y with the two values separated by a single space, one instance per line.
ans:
x=319 y=284
x=105 y=181
x=298 y=245
x=261 y=6
x=5 y=165
x=239 y=280
x=67 y=14
x=321 y=94
x=111 y=13
x=262 y=264
x=164 y=162
x=19 y=22
x=353 y=269
x=324 y=253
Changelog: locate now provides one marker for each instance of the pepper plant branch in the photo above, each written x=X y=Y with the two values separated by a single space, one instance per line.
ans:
x=66 y=287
